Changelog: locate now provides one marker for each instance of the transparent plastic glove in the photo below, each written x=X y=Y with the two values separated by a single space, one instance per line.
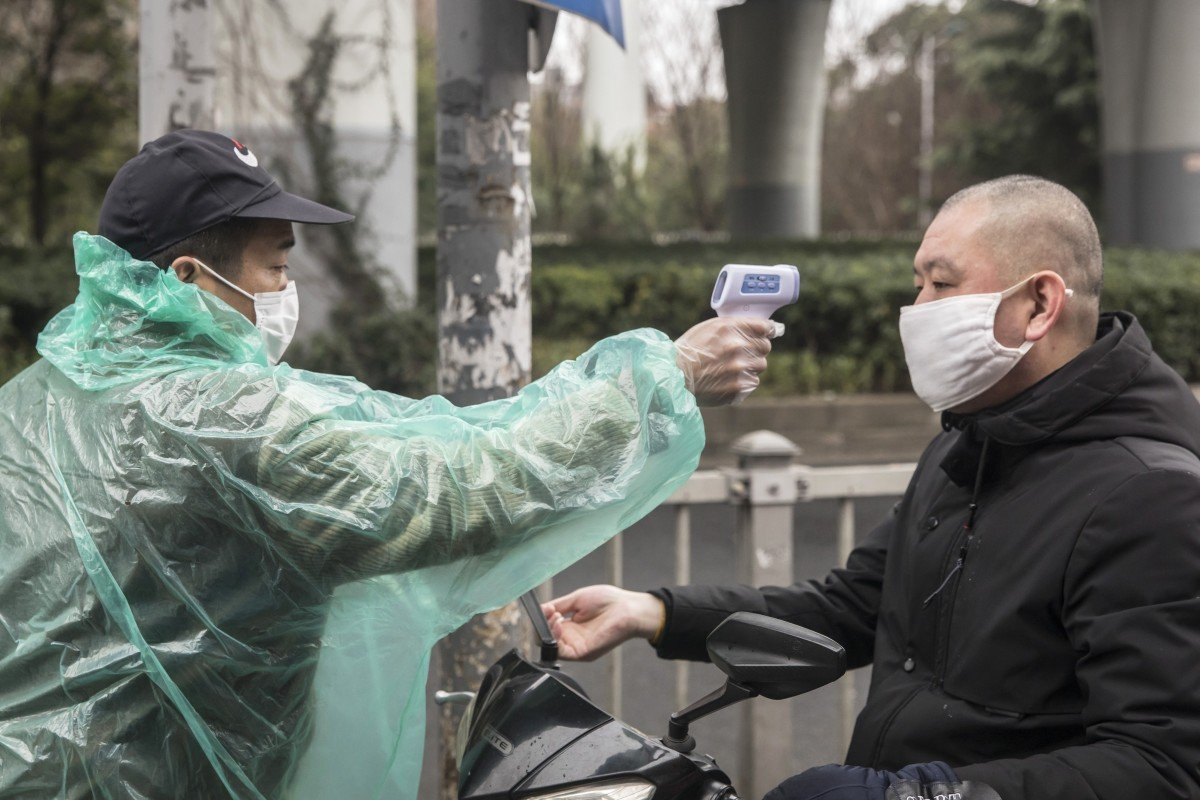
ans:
x=722 y=358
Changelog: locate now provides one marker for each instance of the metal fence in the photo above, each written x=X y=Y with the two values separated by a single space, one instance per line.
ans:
x=765 y=486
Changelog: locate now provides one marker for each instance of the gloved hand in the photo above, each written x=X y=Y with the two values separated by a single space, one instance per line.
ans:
x=721 y=358
x=914 y=782
x=590 y=621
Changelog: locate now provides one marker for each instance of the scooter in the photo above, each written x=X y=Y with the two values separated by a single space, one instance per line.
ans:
x=531 y=733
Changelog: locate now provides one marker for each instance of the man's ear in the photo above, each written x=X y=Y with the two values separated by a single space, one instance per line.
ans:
x=186 y=269
x=1050 y=300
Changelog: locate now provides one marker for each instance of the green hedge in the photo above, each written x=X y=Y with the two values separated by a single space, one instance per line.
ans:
x=34 y=285
x=841 y=335
x=850 y=288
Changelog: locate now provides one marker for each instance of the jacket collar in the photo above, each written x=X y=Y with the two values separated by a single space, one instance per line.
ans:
x=1120 y=354
x=1093 y=378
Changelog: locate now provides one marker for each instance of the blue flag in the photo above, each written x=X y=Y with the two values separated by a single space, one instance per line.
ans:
x=605 y=13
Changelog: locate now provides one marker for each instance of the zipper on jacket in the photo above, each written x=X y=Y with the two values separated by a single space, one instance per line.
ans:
x=946 y=608
x=941 y=642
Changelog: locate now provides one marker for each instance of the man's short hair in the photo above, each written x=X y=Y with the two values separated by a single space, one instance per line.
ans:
x=220 y=247
x=1037 y=224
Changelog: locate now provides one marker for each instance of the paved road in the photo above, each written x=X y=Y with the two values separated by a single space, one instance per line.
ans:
x=649 y=682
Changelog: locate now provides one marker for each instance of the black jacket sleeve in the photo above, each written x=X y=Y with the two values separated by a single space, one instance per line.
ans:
x=1131 y=607
x=844 y=607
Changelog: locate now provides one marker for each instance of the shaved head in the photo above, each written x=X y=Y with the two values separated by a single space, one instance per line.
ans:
x=1032 y=224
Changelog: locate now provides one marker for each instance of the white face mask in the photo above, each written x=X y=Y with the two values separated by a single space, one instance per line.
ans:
x=951 y=349
x=276 y=314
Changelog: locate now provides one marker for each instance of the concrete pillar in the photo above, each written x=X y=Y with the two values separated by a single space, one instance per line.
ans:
x=176 y=69
x=614 y=89
x=775 y=75
x=485 y=255
x=1148 y=62
x=484 y=263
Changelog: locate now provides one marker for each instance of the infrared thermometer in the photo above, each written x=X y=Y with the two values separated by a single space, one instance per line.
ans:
x=748 y=290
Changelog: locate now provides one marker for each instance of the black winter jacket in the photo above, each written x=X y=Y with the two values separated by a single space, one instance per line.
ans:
x=1050 y=647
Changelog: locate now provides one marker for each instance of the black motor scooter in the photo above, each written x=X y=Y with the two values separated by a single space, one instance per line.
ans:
x=531 y=733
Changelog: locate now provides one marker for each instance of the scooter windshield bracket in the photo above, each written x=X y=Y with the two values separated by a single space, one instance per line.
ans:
x=549 y=646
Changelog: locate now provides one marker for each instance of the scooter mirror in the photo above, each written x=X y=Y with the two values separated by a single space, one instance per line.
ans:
x=776 y=659
x=761 y=656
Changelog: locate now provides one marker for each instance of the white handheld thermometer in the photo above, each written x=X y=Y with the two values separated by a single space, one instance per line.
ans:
x=747 y=290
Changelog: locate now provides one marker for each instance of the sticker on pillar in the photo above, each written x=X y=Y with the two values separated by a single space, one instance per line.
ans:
x=1191 y=162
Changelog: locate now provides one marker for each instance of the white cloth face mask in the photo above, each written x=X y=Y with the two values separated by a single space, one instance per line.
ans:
x=275 y=314
x=951 y=349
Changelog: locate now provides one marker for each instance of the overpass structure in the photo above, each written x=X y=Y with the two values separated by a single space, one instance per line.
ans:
x=1151 y=121
x=775 y=79
x=1150 y=117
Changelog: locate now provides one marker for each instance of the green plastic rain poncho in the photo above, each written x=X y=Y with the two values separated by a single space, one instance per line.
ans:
x=219 y=577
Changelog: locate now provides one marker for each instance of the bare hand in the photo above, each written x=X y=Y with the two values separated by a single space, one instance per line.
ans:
x=721 y=358
x=593 y=620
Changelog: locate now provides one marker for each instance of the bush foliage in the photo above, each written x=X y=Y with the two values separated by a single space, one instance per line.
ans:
x=841 y=336
x=34 y=284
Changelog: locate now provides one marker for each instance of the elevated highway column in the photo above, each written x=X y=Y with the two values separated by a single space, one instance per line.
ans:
x=775 y=75
x=1149 y=62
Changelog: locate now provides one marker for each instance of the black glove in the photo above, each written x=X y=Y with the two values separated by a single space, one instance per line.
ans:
x=933 y=781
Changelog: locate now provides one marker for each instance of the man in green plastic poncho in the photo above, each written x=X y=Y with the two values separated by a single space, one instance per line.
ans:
x=220 y=576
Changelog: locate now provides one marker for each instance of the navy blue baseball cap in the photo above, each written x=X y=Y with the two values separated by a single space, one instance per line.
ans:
x=189 y=180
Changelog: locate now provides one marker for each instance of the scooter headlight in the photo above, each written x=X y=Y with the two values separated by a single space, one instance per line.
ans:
x=615 y=790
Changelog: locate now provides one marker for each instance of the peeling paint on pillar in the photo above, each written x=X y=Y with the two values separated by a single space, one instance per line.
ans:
x=484 y=250
x=484 y=254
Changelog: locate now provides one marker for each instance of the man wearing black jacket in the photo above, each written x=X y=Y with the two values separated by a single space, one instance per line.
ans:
x=1031 y=607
